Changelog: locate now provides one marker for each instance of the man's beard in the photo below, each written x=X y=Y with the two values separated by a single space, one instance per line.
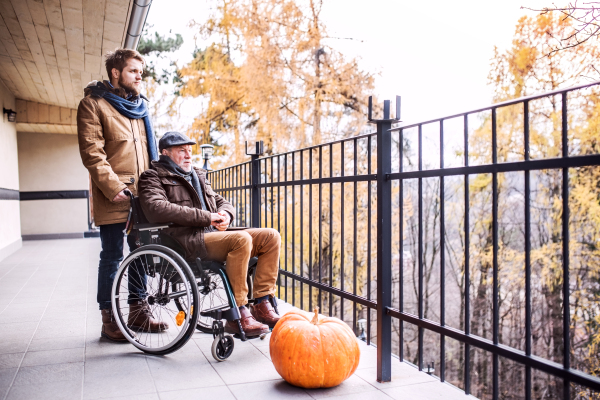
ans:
x=129 y=87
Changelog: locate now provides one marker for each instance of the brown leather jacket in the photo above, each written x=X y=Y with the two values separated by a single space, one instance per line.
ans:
x=166 y=197
x=114 y=150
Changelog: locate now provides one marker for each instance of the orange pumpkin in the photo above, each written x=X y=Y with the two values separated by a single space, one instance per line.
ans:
x=317 y=352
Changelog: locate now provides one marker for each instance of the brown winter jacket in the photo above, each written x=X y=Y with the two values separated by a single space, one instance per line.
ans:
x=114 y=150
x=166 y=197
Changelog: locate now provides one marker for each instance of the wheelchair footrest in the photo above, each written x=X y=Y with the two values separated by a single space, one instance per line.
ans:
x=229 y=314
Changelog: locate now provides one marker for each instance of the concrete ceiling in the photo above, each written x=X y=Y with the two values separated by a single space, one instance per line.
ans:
x=51 y=49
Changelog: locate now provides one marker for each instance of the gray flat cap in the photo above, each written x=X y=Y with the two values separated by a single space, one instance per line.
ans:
x=171 y=139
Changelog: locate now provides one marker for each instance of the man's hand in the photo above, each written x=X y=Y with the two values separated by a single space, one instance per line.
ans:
x=121 y=196
x=220 y=220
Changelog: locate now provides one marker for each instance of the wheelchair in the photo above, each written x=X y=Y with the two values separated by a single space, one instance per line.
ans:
x=188 y=295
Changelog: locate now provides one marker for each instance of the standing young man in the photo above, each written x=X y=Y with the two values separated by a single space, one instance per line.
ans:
x=116 y=144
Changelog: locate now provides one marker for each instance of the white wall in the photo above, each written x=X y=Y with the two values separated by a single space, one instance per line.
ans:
x=51 y=162
x=10 y=226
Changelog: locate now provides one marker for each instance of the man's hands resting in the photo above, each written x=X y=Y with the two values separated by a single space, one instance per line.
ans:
x=220 y=220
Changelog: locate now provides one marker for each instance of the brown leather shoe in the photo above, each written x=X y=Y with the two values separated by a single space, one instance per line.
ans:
x=264 y=312
x=110 y=329
x=250 y=326
x=141 y=319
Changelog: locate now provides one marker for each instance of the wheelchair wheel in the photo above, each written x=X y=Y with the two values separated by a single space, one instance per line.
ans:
x=212 y=295
x=221 y=349
x=169 y=290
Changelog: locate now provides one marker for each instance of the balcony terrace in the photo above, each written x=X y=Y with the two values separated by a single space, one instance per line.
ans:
x=50 y=346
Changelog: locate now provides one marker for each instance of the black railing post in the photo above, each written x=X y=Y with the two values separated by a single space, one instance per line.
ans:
x=384 y=241
x=254 y=182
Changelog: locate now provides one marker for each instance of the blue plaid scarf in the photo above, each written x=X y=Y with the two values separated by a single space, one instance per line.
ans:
x=134 y=108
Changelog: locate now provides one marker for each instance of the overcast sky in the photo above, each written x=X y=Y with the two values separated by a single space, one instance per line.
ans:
x=435 y=54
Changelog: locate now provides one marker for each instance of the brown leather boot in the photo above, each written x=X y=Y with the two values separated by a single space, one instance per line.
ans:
x=250 y=326
x=141 y=319
x=264 y=312
x=110 y=329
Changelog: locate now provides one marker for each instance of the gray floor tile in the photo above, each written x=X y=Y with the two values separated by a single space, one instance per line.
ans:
x=19 y=346
x=7 y=376
x=376 y=395
x=65 y=390
x=168 y=375
x=433 y=391
x=233 y=372
x=402 y=375
x=49 y=373
x=354 y=384
x=47 y=357
x=271 y=390
x=11 y=360
x=116 y=366
x=49 y=329
x=123 y=387
x=57 y=343
x=216 y=392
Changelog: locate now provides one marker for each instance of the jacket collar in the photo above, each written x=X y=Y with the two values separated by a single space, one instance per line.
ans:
x=162 y=171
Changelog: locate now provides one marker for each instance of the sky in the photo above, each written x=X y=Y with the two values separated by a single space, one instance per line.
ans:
x=435 y=54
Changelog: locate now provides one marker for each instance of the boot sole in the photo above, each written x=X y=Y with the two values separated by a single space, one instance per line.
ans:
x=105 y=336
x=248 y=334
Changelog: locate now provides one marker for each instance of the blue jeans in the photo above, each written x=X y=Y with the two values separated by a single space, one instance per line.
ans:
x=112 y=239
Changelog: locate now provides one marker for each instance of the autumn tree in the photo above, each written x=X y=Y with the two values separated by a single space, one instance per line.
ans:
x=269 y=72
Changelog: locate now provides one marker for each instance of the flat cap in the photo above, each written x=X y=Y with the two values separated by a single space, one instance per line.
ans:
x=171 y=139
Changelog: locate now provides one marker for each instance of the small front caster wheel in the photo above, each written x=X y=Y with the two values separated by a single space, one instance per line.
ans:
x=221 y=349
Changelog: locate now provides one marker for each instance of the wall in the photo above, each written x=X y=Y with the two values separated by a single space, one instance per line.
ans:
x=10 y=226
x=51 y=162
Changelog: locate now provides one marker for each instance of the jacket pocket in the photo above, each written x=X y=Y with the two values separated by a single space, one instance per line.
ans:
x=176 y=192
x=130 y=182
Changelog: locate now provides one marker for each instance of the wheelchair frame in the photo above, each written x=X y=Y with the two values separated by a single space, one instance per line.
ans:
x=149 y=241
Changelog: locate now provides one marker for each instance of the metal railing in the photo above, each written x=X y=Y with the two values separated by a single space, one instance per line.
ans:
x=342 y=210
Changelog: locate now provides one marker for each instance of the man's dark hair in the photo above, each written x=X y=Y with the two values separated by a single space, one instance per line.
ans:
x=118 y=59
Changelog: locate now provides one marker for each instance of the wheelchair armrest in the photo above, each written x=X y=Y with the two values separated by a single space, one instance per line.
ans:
x=152 y=227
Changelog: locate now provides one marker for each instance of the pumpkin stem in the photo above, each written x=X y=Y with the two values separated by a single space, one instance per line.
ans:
x=315 y=319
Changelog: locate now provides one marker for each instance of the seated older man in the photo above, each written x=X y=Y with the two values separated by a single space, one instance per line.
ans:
x=173 y=191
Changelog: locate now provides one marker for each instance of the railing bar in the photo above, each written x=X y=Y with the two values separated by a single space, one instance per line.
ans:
x=495 y=294
x=285 y=202
x=401 y=240
x=527 y=251
x=565 y=234
x=518 y=166
x=420 y=248
x=366 y=135
x=331 y=230
x=369 y=184
x=310 y=229
x=520 y=357
x=279 y=205
x=342 y=233
x=501 y=104
x=320 y=219
x=370 y=304
x=442 y=261
x=335 y=179
x=302 y=229
x=467 y=273
x=293 y=154
x=355 y=227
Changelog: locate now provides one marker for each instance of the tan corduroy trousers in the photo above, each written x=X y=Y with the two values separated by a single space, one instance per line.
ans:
x=236 y=248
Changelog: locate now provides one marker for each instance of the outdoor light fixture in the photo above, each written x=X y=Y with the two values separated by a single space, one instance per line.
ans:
x=207 y=152
x=361 y=327
x=12 y=115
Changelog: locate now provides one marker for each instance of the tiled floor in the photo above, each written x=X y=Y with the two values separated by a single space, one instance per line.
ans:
x=50 y=346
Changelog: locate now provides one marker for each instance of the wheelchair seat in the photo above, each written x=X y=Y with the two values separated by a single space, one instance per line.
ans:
x=187 y=294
